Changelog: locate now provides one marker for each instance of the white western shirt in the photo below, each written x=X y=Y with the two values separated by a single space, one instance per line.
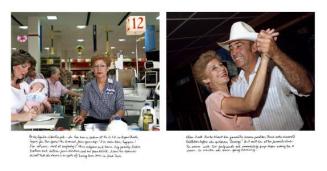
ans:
x=280 y=111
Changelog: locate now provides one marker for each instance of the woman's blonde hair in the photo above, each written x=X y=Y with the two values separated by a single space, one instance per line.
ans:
x=201 y=63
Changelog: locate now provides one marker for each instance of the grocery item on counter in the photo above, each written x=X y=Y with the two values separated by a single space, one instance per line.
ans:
x=147 y=120
x=146 y=109
x=117 y=125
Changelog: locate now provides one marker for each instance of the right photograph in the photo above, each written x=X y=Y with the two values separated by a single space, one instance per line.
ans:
x=234 y=71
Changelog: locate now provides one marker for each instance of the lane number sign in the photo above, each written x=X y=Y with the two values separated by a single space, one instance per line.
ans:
x=135 y=25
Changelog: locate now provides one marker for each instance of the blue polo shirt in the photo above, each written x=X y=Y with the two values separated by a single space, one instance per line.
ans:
x=102 y=105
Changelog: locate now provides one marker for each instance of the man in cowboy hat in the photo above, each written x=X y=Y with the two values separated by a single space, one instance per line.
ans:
x=279 y=110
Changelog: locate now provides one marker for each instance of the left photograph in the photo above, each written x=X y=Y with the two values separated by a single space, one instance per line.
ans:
x=85 y=71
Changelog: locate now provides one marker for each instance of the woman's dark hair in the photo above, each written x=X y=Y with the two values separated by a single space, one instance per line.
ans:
x=20 y=57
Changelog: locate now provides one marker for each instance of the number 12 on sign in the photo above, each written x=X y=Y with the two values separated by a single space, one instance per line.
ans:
x=135 y=25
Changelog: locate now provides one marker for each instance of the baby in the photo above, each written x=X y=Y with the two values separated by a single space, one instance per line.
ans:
x=37 y=95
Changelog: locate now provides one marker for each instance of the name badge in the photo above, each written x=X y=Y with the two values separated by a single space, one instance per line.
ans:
x=110 y=91
x=110 y=81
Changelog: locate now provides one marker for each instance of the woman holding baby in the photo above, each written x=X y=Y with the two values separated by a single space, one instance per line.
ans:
x=20 y=63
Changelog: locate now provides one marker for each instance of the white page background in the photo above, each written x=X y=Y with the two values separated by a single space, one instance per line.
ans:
x=166 y=149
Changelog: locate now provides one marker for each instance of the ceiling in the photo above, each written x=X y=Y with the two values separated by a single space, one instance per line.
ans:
x=65 y=33
x=191 y=33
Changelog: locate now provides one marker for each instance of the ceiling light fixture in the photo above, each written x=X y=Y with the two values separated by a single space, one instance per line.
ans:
x=23 y=27
x=81 y=26
x=46 y=48
x=121 y=40
x=158 y=17
x=112 y=47
x=52 y=17
x=80 y=40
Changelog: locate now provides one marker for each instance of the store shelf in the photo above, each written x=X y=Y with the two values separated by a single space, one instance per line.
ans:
x=47 y=62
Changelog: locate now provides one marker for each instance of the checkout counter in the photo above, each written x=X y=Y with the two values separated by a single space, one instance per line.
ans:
x=136 y=95
x=55 y=122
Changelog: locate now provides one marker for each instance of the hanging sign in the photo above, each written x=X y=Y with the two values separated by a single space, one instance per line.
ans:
x=135 y=25
x=79 y=49
x=21 y=38
x=94 y=38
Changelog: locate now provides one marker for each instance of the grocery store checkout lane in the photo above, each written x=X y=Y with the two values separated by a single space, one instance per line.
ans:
x=135 y=105
x=136 y=101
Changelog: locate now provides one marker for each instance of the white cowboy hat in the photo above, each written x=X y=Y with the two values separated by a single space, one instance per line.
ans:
x=239 y=31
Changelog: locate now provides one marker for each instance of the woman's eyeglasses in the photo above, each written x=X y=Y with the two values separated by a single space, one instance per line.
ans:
x=99 y=66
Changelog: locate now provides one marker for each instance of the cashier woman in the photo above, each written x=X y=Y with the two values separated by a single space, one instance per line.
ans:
x=103 y=97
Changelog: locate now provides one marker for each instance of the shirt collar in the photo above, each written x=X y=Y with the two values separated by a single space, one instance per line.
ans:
x=109 y=81
x=241 y=75
x=50 y=81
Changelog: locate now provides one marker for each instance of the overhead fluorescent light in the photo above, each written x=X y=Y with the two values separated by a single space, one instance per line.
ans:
x=158 y=17
x=52 y=17
x=46 y=48
x=112 y=47
x=121 y=40
x=127 y=59
x=80 y=40
x=81 y=26
x=133 y=53
x=23 y=27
